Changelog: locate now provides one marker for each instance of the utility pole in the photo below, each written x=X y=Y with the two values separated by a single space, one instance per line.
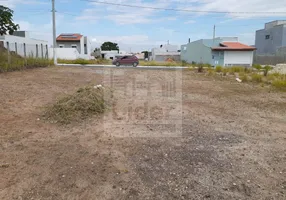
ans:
x=54 y=33
x=214 y=34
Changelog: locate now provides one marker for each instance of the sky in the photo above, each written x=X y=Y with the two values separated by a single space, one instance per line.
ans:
x=139 y=29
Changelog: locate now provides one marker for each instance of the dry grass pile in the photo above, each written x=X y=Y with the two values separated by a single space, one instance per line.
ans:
x=84 y=103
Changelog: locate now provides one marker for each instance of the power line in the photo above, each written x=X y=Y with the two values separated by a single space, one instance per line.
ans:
x=181 y=10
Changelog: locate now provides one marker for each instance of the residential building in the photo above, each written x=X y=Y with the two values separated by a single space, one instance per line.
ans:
x=165 y=52
x=73 y=46
x=272 y=38
x=223 y=51
x=23 y=45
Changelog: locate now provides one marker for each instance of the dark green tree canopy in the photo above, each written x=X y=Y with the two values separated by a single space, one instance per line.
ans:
x=6 y=21
x=146 y=54
x=108 y=46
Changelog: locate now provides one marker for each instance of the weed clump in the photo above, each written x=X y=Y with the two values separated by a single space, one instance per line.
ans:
x=279 y=84
x=218 y=69
x=256 y=78
x=85 y=102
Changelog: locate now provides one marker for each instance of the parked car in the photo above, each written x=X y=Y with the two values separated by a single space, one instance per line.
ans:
x=126 y=60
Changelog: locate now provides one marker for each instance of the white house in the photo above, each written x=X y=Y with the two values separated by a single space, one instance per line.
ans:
x=165 y=52
x=223 y=51
x=23 y=45
x=72 y=46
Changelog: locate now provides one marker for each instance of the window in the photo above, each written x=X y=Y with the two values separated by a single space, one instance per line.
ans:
x=267 y=37
x=61 y=46
x=213 y=56
x=73 y=46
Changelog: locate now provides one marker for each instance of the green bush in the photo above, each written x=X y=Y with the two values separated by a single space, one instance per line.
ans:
x=279 y=84
x=266 y=69
x=218 y=68
x=257 y=66
x=256 y=78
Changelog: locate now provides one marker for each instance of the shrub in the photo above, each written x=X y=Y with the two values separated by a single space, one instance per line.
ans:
x=218 y=68
x=200 y=67
x=266 y=69
x=279 y=84
x=257 y=66
x=82 y=104
x=256 y=78
x=224 y=71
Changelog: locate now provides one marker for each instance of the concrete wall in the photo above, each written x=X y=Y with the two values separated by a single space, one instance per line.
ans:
x=65 y=53
x=234 y=58
x=24 y=46
x=277 y=38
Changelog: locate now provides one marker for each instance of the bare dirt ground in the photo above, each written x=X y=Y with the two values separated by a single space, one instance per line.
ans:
x=201 y=138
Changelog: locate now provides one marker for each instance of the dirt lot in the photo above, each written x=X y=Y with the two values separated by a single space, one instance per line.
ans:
x=182 y=136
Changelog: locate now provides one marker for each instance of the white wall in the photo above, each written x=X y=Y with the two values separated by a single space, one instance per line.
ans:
x=65 y=53
x=25 y=45
x=238 y=57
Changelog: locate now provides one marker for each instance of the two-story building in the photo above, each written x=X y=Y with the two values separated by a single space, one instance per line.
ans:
x=73 y=46
x=271 y=39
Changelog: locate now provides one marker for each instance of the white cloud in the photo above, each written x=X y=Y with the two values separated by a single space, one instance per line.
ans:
x=13 y=3
x=130 y=15
x=190 y=22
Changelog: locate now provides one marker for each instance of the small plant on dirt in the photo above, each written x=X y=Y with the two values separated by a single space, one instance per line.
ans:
x=82 y=104
x=224 y=71
x=256 y=78
x=218 y=69
x=200 y=67
x=280 y=84
x=266 y=69
x=210 y=71
x=244 y=77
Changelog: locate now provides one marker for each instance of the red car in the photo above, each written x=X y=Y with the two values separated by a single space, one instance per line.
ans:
x=126 y=60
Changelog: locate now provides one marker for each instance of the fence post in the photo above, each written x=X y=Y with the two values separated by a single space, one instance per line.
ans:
x=8 y=54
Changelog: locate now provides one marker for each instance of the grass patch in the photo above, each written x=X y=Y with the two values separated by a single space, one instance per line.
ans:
x=169 y=64
x=85 y=62
x=211 y=71
x=84 y=103
x=19 y=63
x=256 y=78
x=280 y=84
x=218 y=69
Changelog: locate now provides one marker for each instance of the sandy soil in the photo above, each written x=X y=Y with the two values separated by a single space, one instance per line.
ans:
x=171 y=135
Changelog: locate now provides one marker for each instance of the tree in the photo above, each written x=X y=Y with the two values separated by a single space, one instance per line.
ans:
x=6 y=21
x=146 y=54
x=108 y=46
